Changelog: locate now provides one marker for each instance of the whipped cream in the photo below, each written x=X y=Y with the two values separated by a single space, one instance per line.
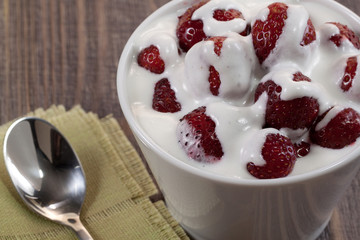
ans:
x=238 y=119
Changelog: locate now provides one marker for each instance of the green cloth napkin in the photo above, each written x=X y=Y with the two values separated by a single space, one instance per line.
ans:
x=117 y=204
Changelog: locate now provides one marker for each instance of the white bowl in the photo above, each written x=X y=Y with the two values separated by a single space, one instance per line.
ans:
x=211 y=206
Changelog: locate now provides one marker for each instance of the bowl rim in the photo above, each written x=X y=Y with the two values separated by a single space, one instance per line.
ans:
x=142 y=136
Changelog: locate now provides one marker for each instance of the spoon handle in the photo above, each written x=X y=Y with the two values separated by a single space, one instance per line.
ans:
x=79 y=228
x=83 y=234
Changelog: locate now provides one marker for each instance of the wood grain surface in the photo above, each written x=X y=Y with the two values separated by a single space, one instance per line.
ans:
x=66 y=52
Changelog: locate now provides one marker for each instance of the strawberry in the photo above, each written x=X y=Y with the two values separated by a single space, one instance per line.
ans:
x=189 y=32
x=309 y=34
x=265 y=34
x=298 y=77
x=349 y=74
x=279 y=155
x=214 y=76
x=228 y=15
x=196 y=135
x=149 y=58
x=214 y=80
x=302 y=149
x=164 y=99
x=342 y=130
x=298 y=113
x=218 y=43
x=345 y=34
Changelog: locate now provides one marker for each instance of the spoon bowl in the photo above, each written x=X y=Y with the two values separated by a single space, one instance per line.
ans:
x=46 y=172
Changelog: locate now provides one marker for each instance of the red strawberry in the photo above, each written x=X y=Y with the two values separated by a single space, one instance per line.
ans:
x=342 y=130
x=265 y=34
x=214 y=80
x=196 y=134
x=309 y=34
x=228 y=15
x=164 y=99
x=149 y=58
x=345 y=33
x=302 y=149
x=297 y=113
x=214 y=76
x=349 y=73
x=279 y=154
x=298 y=77
x=271 y=88
x=189 y=32
x=218 y=43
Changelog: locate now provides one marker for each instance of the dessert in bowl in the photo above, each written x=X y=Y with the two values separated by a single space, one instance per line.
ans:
x=247 y=113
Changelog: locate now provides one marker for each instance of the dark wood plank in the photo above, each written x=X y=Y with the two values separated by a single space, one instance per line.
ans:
x=64 y=52
x=67 y=51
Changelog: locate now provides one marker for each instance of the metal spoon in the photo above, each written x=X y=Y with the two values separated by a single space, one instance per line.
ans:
x=46 y=172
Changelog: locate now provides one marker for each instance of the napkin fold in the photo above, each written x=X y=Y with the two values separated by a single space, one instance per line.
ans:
x=117 y=204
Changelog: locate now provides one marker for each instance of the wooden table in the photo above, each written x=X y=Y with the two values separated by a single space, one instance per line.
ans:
x=67 y=51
